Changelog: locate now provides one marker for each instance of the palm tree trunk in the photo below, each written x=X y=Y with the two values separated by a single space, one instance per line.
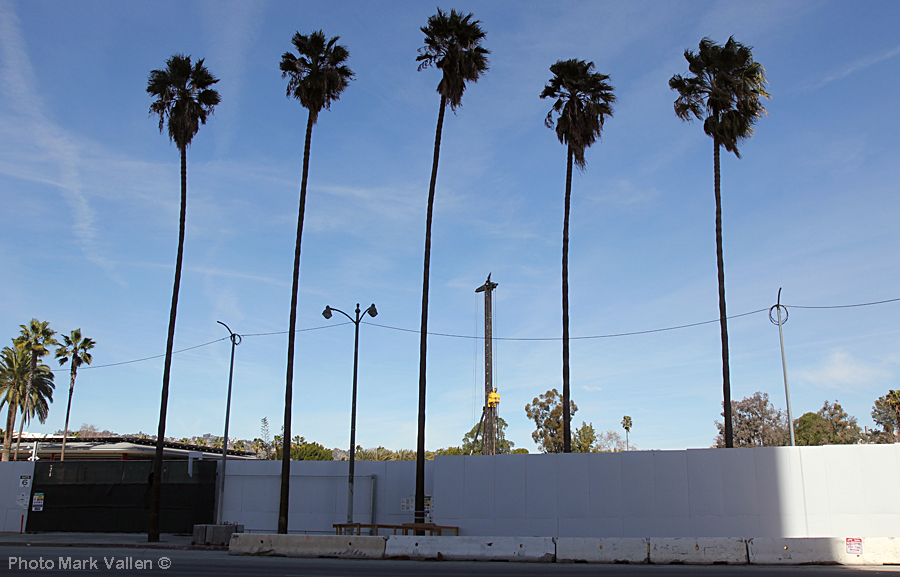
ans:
x=62 y=456
x=153 y=518
x=31 y=369
x=723 y=317
x=423 y=334
x=289 y=379
x=10 y=425
x=567 y=429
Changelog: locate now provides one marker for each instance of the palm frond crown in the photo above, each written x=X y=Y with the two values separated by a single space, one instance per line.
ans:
x=75 y=348
x=184 y=97
x=724 y=89
x=319 y=73
x=36 y=338
x=453 y=45
x=15 y=363
x=584 y=100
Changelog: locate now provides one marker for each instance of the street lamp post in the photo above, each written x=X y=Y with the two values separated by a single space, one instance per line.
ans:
x=371 y=311
x=778 y=307
x=235 y=340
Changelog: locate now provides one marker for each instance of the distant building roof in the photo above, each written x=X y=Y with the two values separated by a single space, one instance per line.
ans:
x=49 y=448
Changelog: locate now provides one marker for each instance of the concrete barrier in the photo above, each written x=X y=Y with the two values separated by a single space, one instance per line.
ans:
x=700 y=551
x=534 y=549
x=823 y=551
x=342 y=546
x=602 y=550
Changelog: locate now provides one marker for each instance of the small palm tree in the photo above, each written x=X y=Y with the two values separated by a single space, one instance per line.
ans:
x=316 y=77
x=35 y=338
x=76 y=351
x=626 y=424
x=15 y=393
x=453 y=45
x=184 y=99
x=723 y=90
x=584 y=100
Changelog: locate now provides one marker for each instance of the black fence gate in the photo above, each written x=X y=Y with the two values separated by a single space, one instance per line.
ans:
x=114 y=496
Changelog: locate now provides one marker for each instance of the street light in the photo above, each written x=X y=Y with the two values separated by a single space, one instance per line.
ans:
x=372 y=312
x=235 y=340
x=778 y=308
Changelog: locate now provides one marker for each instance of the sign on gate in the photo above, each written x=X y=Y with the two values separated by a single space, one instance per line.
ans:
x=37 y=504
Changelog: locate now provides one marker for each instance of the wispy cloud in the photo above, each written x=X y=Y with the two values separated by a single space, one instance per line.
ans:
x=232 y=26
x=860 y=64
x=842 y=370
x=20 y=87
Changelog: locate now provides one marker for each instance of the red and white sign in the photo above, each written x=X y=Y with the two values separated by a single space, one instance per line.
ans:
x=854 y=546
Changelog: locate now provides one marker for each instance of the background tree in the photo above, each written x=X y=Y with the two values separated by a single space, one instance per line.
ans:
x=471 y=446
x=626 y=424
x=841 y=428
x=15 y=368
x=886 y=414
x=723 y=90
x=183 y=101
x=809 y=430
x=302 y=450
x=756 y=423
x=35 y=338
x=316 y=77
x=453 y=46
x=585 y=439
x=610 y=441
x=74 y=350
x=583 y=101
x=547 y=413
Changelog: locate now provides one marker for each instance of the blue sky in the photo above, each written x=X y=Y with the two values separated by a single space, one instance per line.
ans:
x=90 y=193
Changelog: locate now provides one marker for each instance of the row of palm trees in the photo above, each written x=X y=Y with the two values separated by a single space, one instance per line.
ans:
x=26 y=383
x=723 y=89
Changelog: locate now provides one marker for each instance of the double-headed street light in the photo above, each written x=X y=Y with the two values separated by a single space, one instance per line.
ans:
x=371 y=311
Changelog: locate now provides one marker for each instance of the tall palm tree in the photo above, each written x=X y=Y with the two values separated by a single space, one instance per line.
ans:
x=584 y=100
x=35 y=338
x=15 y=374
x=453 y=45
x=183 y=101
x=626 y=424
x=316 y=77
x=75 y=350
x=10 y=366
x=723 y=90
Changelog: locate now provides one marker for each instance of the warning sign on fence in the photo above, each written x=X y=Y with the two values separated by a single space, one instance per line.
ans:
x=37 y=503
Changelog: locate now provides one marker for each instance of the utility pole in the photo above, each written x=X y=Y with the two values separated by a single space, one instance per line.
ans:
x=489 y=436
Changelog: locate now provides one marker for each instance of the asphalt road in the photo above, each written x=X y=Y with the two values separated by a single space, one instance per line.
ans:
x=51 y=561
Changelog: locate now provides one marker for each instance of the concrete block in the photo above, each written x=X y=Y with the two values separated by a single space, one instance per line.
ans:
x=533 y=549
x=823 y=550
x=199 y=535
x=341 y=546
x=215 y=534
x=600 y=550
x=704 y=551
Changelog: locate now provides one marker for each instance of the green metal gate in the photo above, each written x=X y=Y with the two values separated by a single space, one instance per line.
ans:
x=114 y=496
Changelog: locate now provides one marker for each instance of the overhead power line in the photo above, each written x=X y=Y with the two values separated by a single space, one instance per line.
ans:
x=570 y=338
x=845 y=306
x=607 y=336
x=83 y=367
